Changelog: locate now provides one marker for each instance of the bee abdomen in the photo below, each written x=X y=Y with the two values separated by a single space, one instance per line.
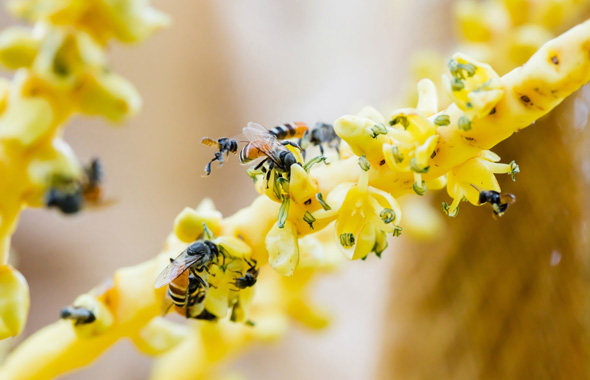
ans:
x=289 y=130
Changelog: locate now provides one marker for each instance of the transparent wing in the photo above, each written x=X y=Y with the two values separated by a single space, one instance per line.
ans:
x=265 y=142
x=176 y=268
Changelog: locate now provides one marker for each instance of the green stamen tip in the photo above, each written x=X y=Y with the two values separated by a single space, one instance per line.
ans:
x=403 y=120
x=419 y=189
x=309 y=219
x=387 y=215
x=364 y=163
x=417 y=168
x=447 y=210
x=283 y=212
x=347 y=239
x=323 y=203
x=442 y=120
x=397 y=156
x=464 y=123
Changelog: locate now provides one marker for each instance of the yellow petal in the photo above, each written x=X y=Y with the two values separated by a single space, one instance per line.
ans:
x=109 y=95
x=283 y=248
x=159 y=336
x=188 y=225
x=14 y=302
x=301 y=186
x=18 y=47
x=26 y=121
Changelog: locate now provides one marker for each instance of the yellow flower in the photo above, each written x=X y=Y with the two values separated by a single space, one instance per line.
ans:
x=467 y=180
x=363 y=211
x=125 y=20
x=474 y=86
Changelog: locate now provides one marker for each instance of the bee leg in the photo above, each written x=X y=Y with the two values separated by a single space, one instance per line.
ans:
x=321 y=149
x=260 y=164
x=270 y=167
x=208 y=168
x=219 y=156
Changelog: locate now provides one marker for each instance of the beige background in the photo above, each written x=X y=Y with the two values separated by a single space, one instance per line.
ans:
x=221 y=64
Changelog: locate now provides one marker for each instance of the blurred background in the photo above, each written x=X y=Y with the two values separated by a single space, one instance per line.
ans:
x=223 y=63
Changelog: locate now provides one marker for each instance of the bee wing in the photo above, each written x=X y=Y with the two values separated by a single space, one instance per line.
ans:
x=261 y=139
x=176 y=268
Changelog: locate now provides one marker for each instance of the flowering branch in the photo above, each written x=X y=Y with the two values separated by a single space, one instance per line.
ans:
x=412 y=152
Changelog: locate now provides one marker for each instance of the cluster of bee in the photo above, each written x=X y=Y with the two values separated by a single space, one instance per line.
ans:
x=70 y=195
x=271 y=145
x=186 y=277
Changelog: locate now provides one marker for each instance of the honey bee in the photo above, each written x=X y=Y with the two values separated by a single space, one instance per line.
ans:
x=186 y=288
x=289 y=130
x=249 y=278
x=224 y=145
x=187 y=294
x=499 y=201
x=264 y=144
x=79 y=315
x=322 y=133
x=196 y=258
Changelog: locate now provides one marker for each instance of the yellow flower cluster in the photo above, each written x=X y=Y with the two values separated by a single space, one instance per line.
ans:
x=288 y=225
x=60 y=70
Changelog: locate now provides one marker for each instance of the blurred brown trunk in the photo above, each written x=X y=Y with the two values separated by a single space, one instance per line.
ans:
x=505 y=299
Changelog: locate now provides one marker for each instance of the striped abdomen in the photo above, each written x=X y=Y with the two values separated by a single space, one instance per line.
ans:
x=289 y=130
x=182 y=290
x=254 y=150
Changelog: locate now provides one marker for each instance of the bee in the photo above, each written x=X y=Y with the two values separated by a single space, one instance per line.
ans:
x=196 y=258
x=70 y=195
x=249 y=278
x=67 y=198
x=224 y=145
x=79 y=315
x=264 y=144
x=499 y=202
x=290 y=131
x=322 y=133
x=186 y=293
x=186 y=288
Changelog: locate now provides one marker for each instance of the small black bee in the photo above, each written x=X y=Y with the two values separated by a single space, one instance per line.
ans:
x=249 y=278
x=70 y=195
x=224 y=145
x=79 y=315
x=499 y=202
x=67 y=201
x=322 y=133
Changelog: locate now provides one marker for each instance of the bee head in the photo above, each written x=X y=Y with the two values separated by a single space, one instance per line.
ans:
x=289 y=160
x=197 y=248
